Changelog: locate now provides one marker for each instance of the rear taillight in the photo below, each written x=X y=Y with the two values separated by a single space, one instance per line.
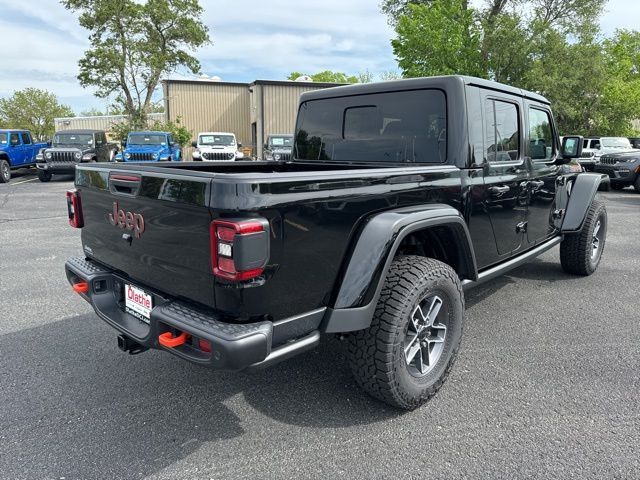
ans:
x=74 y=209
x=239 y=248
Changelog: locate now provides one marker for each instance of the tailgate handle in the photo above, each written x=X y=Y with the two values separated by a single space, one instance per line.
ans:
x=124 y=184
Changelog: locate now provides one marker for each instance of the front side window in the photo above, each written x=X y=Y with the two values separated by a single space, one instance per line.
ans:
x=15 y=140
x=502 y=131
x=393 y=127
x=541 y=144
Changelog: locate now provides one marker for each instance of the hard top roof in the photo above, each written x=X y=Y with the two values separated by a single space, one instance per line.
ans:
x=418 y=83
x=81 y=131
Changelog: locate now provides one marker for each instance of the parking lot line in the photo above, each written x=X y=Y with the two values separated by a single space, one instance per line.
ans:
x=24 y=181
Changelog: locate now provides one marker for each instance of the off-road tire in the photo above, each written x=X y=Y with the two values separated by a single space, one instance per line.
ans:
x=576 y=248
x=376 y=354
x=617 y=186
x=5 y=171
x=44 y=176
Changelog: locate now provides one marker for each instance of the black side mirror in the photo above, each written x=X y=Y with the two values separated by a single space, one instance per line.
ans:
x=124 y=144
x=239 y=145
x=194 y=144
x=571 y=147
x=49 y=143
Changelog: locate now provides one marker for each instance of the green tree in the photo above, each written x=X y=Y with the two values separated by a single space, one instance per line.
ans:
x=438 y=39
x=133 y=44
x=620 y=100
x=553 y=47
x=328 y=76
x=33 y=109
x=181 y=134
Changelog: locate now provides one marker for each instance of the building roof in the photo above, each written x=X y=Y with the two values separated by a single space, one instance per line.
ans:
x=255 y=82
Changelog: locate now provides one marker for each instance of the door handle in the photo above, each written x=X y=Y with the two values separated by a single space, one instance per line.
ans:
x=503 y=189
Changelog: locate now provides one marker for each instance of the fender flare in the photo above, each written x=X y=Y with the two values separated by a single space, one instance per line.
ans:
x=5 y=156
x=373 y=251
x=582 y=194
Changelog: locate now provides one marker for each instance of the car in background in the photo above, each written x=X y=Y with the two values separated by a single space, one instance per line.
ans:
x=635 y=142
x=71 y=147
x=590 y=146
x=623 y=169
x=150 y=147
x=216 y=147
x=278 y=147
x=17 y=150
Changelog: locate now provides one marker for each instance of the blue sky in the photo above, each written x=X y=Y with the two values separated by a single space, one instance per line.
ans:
x=42 y=42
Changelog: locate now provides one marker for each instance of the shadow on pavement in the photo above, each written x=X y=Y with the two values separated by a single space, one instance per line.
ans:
x=69 y=395
x=537 y=269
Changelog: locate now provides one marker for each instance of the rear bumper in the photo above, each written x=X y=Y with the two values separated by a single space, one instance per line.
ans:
x=233 y=346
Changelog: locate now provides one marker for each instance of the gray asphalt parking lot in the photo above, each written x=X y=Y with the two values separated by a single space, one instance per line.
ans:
x=547 y=383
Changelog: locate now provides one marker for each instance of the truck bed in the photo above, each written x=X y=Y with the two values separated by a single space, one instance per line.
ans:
x=313 y=211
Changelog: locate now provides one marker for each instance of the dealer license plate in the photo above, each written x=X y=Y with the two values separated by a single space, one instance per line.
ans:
x=137 y=302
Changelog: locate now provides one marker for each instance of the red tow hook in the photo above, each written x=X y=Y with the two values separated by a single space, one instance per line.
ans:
x=81 y=287
x=168 y=340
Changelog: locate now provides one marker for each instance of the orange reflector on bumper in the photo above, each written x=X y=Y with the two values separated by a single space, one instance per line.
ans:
x=82 y=287
x=168 y=340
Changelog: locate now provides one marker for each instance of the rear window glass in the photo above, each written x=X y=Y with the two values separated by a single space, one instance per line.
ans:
x=394 y=127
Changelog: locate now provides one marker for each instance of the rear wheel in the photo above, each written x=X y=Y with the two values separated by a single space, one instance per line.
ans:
x=44 y=176
x=406 y=354
x=5 y=171
x=580 y=252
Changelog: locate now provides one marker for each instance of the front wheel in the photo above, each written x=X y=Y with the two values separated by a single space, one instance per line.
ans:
x=5 y=171
x=44 y=176
x=406 y=354
x=580 y=252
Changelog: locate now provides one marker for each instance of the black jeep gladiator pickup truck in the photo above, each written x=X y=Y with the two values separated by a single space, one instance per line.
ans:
x=399 y=196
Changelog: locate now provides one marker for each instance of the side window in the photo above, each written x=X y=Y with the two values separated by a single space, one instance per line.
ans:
x=502 y=131
x=14 y=140
x=169 y=139
x=541 y=144
x=26 y=138
x=98 y=139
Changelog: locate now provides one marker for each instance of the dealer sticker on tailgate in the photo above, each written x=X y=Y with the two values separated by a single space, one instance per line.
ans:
x=138 y=303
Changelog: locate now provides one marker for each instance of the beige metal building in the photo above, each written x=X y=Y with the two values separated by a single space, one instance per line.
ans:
x=250 y=110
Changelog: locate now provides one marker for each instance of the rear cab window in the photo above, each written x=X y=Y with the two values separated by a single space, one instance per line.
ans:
x=386 y=128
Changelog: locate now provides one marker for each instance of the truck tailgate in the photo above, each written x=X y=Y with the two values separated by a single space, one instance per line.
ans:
x=151 y=227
